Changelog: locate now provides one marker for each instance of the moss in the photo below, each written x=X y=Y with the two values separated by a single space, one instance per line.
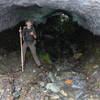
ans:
x=77 y=55
x=98 y=51
x=98 y=85
x=46 y=58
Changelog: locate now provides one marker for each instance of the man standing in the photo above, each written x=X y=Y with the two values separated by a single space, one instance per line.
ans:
x=29 y=41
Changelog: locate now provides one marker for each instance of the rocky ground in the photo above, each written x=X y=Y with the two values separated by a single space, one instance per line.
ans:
x=54 y=82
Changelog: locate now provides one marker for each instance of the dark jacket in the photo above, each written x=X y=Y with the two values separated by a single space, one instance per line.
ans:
x=26 y=35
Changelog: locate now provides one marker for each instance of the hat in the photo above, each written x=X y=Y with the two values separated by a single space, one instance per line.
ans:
x=29 y=20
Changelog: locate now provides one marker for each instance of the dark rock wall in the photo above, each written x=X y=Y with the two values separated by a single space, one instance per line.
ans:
x=86 y=12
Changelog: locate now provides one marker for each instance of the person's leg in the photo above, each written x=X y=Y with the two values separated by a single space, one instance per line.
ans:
x=33 y=51
x=24 y=51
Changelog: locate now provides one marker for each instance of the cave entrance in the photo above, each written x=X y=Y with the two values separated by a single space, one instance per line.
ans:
x=59 y=37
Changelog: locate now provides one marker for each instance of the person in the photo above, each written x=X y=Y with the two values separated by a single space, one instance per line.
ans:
x=29 y=40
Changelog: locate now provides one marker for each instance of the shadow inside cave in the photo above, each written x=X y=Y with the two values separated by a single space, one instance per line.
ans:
x=59 y=38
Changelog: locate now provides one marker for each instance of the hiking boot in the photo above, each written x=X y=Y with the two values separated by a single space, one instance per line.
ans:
x=40 y=66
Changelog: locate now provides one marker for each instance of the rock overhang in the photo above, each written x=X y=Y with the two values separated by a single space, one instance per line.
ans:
x=85 y=12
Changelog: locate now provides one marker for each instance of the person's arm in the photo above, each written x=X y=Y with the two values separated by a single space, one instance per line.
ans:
x=33 y=33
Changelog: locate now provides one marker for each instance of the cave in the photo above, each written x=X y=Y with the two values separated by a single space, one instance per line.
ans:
x=67 y=45
x=59 y=36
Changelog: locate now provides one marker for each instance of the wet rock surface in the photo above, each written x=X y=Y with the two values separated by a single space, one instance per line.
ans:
x=45 y=84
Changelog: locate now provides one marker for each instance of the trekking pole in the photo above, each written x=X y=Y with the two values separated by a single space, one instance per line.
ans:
x=21 y=46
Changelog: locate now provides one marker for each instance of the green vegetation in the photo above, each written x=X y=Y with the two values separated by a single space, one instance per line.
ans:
x=98 y=51
x=46 y=58
x=98 y=85
x=77 y=55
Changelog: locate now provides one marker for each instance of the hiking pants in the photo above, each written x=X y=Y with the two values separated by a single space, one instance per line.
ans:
x=33 y=51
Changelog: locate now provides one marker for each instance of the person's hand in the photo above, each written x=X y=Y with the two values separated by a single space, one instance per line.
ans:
x=31 y=33
x=35 y=36
x=20 y=31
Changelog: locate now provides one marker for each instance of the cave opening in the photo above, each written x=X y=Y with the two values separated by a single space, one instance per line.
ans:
x=60 y=37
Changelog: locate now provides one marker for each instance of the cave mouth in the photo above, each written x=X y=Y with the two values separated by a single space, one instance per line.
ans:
x=59 y=37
